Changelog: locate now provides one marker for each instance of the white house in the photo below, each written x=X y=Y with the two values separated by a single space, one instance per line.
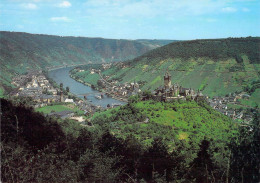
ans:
x=69 y=100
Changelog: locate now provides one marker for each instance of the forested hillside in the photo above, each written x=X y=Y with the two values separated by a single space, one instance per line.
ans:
x=181 y=142
x=217 y=67
x=23 y=51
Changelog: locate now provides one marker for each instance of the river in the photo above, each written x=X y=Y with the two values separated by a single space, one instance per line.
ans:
x=62 y=76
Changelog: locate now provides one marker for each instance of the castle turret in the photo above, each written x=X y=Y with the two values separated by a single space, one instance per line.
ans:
x=61 y=96
x=167 y=80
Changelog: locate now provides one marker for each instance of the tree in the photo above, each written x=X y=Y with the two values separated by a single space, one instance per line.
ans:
x=147 y=95
x=67 y=89
x=61 y=86
x=202 y=166
x=154 y=162
x=22 y=123
x=133 y=99
x=131 y=158
x=245 y=159
x=95 y=166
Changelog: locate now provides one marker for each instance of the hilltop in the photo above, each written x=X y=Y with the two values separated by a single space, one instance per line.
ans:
x=179 y=120
x=217 y=67
x=21 y=52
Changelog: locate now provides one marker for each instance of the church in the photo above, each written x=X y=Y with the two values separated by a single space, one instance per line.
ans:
x=169 y=92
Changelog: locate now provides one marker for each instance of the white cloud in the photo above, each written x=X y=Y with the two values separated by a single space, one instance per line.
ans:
x=30 y=6
x=64 y=4
x=60 y=19
x=229 y=9
x=245 y=9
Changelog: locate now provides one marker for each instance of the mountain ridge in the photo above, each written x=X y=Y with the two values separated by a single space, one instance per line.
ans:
x=217 y=67
x=22 y=51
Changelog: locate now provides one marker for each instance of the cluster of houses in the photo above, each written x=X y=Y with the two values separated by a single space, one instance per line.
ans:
x=106 y=66
x=119 y=91
x=124 y=90
x=36 y=86
x=220 y=104
x=113 y=88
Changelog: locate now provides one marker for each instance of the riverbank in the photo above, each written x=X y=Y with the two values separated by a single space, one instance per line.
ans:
x=81 y=89
x=106 y=92
x=79 y=80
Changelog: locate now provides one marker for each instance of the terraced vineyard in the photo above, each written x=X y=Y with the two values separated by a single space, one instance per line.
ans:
x=235 y=69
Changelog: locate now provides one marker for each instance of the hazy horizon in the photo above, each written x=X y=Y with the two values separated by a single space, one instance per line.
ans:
x=126 y=38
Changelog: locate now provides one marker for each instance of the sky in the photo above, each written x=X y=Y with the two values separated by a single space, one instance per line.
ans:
x=133 y=19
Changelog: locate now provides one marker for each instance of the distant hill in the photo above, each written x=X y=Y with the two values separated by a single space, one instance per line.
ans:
x=155 y=43
x=215 y=49
x=23 y=51
x=217 y=66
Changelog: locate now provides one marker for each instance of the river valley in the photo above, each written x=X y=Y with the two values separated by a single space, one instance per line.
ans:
x=62 y=76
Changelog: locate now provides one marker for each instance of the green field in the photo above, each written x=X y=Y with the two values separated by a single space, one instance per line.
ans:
x=86 y=77
x=59 y=108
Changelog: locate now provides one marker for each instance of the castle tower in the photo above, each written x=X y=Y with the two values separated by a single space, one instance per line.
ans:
x=61 y=96
x=167 y=80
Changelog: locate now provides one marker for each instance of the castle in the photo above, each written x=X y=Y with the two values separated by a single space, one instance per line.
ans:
x=169 y=92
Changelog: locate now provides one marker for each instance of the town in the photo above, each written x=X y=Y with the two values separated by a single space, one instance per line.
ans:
x=44 y=92
x=169 y=92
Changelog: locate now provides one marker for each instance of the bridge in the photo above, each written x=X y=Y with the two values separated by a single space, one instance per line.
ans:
x=66 y=65
x=90 y=93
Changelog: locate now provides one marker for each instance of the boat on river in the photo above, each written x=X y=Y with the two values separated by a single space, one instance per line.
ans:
x=116 y=105
x=98 y=97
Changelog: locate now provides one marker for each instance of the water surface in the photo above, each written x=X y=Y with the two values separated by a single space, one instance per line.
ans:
x=62 y=76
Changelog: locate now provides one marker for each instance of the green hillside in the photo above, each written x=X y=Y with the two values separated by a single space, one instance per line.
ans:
x=23 y=51
x=217 y=67
x=180 y=142
x=187 y=121
x=181 y=126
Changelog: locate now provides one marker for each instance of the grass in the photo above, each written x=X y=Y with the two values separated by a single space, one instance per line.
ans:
x=59 y=108
x=53 y=108
x=87 y=77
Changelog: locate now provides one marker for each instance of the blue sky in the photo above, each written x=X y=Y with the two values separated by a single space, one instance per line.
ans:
x=133 y=19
